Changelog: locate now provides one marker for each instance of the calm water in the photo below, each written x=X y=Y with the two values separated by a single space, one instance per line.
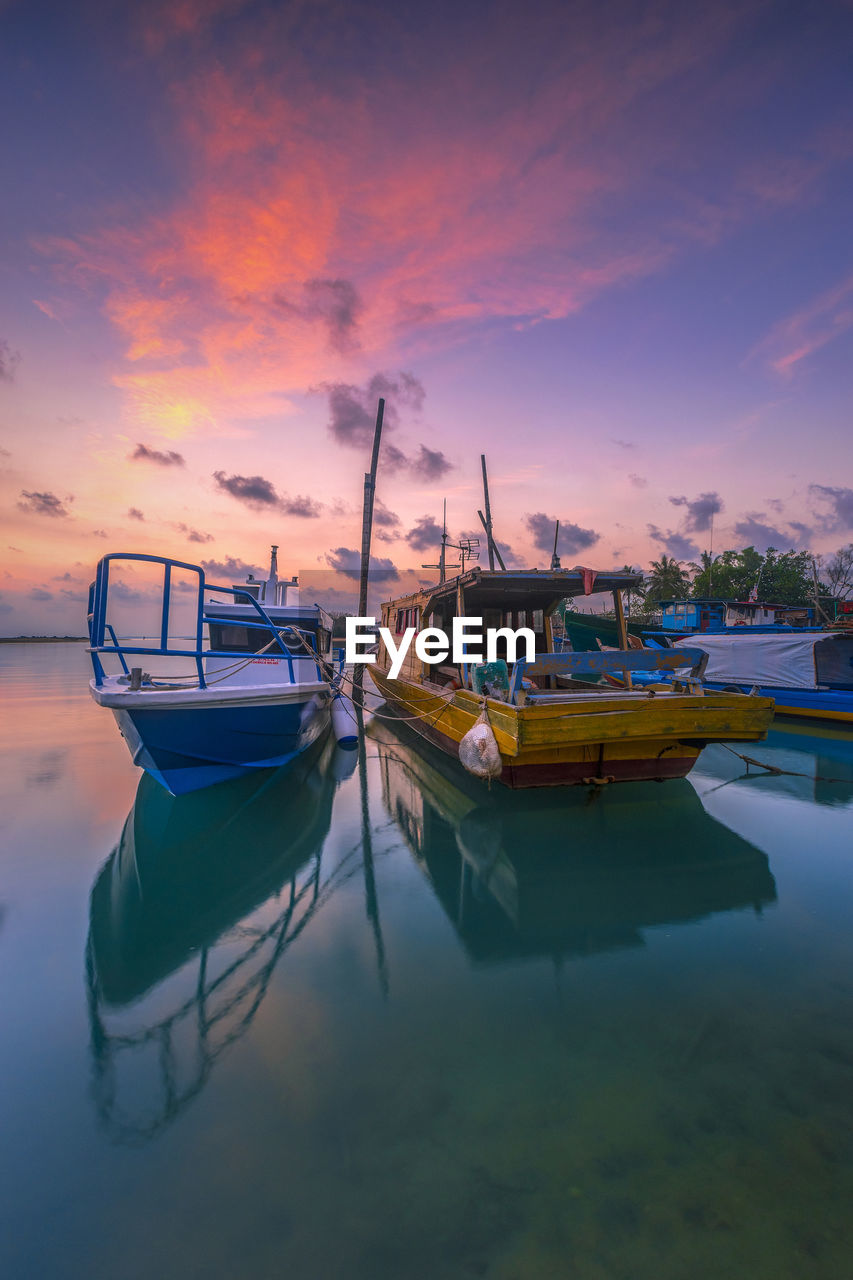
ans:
x=373 y=1021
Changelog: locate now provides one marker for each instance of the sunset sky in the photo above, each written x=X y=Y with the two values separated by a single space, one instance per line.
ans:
x=607 y=245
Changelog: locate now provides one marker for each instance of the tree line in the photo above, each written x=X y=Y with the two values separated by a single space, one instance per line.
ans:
x=779 y=577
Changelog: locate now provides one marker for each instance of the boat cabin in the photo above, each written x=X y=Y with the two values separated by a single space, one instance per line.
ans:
x=228 y=621
x=510 y=599
x=700 y=614
x=754 y=613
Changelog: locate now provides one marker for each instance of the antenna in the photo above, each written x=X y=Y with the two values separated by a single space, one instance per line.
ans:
x=442 y=559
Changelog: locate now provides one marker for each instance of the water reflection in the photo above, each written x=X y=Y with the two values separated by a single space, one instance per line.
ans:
x=559 y=873
x=814 y=767
x=189 y=917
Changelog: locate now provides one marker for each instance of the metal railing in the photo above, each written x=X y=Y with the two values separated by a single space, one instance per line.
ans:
x=100 y=628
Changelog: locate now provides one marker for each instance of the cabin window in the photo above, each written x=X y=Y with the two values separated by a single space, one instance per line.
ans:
x=398 y=626
x=538 y=620
x=237 y=639
x=415 y=615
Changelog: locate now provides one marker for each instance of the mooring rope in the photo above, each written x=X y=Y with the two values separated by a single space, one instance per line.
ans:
x=775 y=771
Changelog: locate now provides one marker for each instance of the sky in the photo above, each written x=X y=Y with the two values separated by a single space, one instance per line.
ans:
x=607 y=246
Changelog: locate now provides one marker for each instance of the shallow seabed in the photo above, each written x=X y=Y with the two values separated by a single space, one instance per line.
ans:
x=370 y=1020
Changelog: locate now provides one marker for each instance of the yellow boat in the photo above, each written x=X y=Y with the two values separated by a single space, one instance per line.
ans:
x=552 y=727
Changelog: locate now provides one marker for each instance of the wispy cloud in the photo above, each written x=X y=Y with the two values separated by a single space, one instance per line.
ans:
x=45 y=504
x=700 y=512
x=674 y=544
x=259 y=494
x=231 y=570
x=800 y=335
x=754 y=530
x=8 y=361
x=430 y=464
x=840 y=500
x=572 y=538
x=425 y=533
x=193 y=535
x=168 y=458
x=353 y=409
x=347 y=561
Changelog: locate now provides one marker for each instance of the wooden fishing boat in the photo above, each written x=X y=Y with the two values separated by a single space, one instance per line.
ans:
x=551 y=728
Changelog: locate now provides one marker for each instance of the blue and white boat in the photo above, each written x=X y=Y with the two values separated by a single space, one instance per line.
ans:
x=807 y=673
x=709 y=615
x=249 y=690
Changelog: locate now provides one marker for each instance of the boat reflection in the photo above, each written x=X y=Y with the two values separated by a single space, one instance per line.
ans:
x=189 y=917
x=561 y=874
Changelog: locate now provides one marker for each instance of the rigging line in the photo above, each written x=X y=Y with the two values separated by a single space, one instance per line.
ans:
x=775 y=771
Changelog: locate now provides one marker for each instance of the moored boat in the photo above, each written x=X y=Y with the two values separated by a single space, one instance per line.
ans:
x=549 y=727
x=806 y=673
x=251 y=692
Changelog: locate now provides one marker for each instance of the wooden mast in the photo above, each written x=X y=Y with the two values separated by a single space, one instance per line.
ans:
x=366 y=529
x=621 y=628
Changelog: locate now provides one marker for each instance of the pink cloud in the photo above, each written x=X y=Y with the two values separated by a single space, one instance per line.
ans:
x=798 y=336
x=501 y=189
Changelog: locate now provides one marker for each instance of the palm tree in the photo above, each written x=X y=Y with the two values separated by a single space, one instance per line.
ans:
x=630 y=592
x=668 y=580
x=704 y=573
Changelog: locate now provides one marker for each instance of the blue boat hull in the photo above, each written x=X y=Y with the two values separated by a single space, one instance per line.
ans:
x=189 y=748
x=817 y=704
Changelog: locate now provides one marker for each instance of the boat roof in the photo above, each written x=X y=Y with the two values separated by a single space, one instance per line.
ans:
x=527 y=588
x=696 y=600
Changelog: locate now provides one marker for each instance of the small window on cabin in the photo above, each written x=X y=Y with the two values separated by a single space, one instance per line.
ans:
x=508 y=618
x=415 y=616
x=398 y=626
x=538 y=620
x=236 y=639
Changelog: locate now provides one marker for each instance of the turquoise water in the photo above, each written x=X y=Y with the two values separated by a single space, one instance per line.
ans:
x=371 y=1020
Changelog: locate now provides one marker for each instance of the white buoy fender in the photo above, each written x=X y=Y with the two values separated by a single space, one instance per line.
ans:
x=344 y=723
x=478 y=750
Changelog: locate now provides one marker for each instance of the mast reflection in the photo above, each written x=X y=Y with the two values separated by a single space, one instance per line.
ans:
x=189 y=918
x=561 y=874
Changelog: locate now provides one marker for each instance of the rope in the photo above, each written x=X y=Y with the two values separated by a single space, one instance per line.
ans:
x=775 y=771
x=189 y=681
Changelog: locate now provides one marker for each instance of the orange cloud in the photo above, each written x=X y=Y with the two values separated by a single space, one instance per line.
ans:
x=501 y=188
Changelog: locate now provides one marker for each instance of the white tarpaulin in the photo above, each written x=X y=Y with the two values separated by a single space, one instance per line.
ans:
x=786 y=661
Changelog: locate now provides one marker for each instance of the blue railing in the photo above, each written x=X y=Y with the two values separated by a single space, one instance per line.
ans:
x=100 y=628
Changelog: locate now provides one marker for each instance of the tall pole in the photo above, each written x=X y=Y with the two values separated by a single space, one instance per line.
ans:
x=488 y=520
x=818 y=611
x=711 y=558
x=442 y=559
x=621 y=628
x=366 y=529
x=492 y=542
